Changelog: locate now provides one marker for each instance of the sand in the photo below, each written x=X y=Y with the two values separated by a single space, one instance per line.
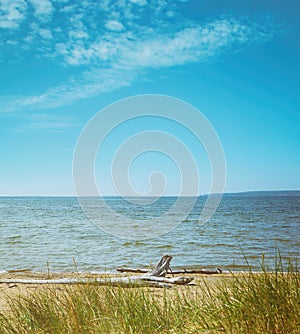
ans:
x=8 y=290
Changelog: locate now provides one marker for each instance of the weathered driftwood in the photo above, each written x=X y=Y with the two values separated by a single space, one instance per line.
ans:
x=174 y=272
x=132 y=280
x=114 y=281
x=163 y=267
x=153 y=278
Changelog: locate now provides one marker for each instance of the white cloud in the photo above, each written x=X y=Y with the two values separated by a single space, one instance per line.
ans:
x=10 y=42
x=42 y=7
x=68 y=9
x=45 y=33
x=139 y=2
x=114 y=25
x=78 y=34
x=90 y=84
x=113 y=53
x=156 y=49
x=12 y=13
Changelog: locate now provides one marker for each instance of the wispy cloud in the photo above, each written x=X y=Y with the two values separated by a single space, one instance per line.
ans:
x=46 y=123
x=115 y=43
x=114 y=25
x=12 y=13
x=42 y=8
x=139 y=2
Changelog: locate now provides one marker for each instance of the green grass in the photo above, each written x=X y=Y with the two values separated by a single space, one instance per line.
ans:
x=250 y=303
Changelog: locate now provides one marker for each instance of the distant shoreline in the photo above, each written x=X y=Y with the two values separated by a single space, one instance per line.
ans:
x=246 y=192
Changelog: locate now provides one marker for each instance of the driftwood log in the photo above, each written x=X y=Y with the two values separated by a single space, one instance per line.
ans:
x=174 y=272
x=163 y=267
x=154 y=278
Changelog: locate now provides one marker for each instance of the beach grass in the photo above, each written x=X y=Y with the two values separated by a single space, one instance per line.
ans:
x=246 y=303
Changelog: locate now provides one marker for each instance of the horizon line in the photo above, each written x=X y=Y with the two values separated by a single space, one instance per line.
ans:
x=119 y=196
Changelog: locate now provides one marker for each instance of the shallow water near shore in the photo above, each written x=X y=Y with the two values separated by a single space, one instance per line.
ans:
x=53 y=233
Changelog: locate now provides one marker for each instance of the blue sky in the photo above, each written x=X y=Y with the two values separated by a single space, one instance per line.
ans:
x=61 y=61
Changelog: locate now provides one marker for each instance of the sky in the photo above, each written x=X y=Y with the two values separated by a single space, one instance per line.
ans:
x=62 y=61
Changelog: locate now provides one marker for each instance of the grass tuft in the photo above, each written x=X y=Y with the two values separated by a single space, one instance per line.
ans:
x=247 y=303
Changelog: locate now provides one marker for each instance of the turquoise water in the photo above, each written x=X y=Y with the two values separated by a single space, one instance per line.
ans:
x=37 y=230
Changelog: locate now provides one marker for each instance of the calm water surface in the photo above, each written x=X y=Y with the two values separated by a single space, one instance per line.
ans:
x=37 y=230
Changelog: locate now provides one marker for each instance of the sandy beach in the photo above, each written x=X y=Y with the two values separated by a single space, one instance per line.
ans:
x=210 y=304
x=8 y=290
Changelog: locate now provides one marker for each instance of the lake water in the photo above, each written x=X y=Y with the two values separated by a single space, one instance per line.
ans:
x=37 y=230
